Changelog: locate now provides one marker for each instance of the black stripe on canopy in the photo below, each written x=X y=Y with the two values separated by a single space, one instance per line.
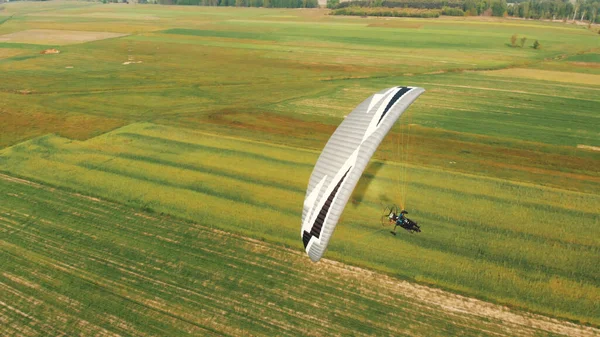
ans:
x=394 y=99
x=318 y=224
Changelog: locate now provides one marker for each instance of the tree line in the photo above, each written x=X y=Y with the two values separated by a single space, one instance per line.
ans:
x=239 y=3
x=386 y=11
x=422 y=4
x=581 y=10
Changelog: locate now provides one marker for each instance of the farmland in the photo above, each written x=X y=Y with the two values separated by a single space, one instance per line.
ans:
x=69 y=267
x=163 y=143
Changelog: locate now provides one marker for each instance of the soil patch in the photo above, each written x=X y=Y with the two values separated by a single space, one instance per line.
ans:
x=56 y=37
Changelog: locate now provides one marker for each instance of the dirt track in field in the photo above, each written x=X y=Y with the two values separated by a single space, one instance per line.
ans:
x=516 y=323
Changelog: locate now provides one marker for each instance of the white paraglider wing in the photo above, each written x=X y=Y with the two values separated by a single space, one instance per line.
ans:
x=343 y=160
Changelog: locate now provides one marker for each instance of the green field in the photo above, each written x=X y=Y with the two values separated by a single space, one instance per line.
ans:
x=216 y=116
x=75 y=265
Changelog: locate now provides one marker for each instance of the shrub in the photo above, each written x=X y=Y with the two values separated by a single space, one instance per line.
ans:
x=418 y=4
x=452 y=11
x=513 y=40
x=383 y=11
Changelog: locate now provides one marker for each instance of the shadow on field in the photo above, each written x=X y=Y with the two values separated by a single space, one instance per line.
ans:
x=364 y=182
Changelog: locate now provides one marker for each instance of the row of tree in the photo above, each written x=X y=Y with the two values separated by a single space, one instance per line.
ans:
x=582 y=10
x=424 y=4
x=240 y=3
x=515 y=41
x=391 y=12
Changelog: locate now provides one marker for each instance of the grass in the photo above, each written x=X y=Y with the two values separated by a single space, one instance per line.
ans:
x=589 y=57
x=546 y=75
x=313 y=49
x=69 y=267
x=223 y=119
x=498 y=247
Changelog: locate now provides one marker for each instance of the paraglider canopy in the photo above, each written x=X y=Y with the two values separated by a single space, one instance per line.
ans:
x=343 y=161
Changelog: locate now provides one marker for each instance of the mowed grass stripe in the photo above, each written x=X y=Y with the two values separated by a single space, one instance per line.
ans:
x=213 y=164
x=187 y=135
x=417 y=177
x=228 y=186
x=209 y=149
x=220 y=34
x=152 y=169
x=421 y=187
x=251 y=170
x=217 y=172
x=145 y=194
x=223 y=194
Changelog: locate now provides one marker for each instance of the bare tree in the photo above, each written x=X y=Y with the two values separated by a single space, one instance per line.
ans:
x=577 y=6
x=594 y=12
